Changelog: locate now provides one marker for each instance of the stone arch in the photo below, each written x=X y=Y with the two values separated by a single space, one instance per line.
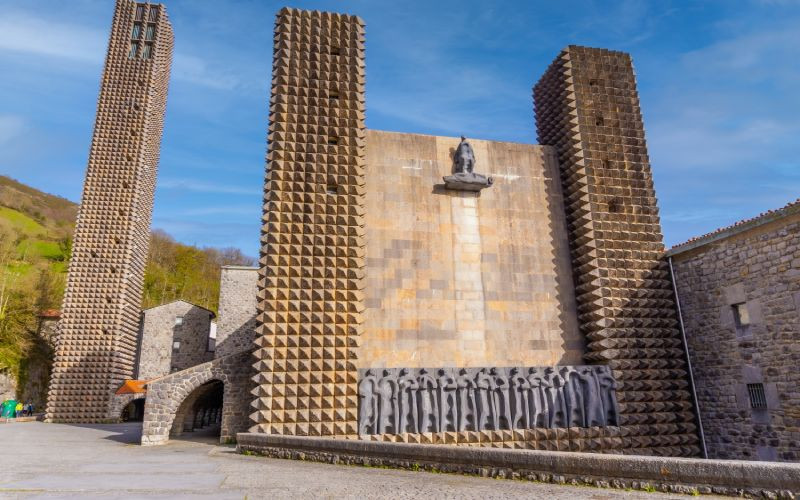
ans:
x=121 y=401
x=201 y=408
x=170 y=398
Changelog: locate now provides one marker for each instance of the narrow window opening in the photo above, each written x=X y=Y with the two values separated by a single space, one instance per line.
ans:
x=758 y=398
x=178 y=320
x=148 y=50
x=593 y=82
x=613 y=206
x=335 y=51
x=137 y=30
x=152 y=15
x=139 y=12
x=741 y=315
x=150 y=33
x=332 y=189
x=333 y=141
x=176 y=345
x=598 y=120
x=134 y=49
x=333 y=95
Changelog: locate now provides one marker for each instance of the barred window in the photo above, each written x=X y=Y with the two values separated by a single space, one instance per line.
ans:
x=150 y=33
x=758 y=399
x=148 y=50
x=139 y=12
x=152 y=15
x=137 y=30
x=133 y=51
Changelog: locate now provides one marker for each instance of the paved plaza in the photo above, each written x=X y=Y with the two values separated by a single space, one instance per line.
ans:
x=104 y=461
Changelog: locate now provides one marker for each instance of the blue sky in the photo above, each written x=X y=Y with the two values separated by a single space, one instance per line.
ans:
x=718 y=82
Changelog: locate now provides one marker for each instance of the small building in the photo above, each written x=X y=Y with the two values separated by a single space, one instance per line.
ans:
x=173 y=337
x=739 y=292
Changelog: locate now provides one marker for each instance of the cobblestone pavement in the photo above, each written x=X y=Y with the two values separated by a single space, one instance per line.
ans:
x=103 y=461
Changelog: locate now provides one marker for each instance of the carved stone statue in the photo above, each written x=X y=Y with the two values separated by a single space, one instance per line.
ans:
x=403 y=400
x=387 y=407
x=467 y=412
x=464 y=178
x=368 y=403
x=407 y=407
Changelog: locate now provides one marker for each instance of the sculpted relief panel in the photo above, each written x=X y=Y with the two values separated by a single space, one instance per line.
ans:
x=403 y=400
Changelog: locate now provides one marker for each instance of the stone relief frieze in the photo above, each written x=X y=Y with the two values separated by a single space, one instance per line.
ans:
x=406 y=400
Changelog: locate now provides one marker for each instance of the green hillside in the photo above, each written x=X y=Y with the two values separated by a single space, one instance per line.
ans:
x=35 y=245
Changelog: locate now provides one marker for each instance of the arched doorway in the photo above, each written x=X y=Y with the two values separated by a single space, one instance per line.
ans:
x=133 y=411
x=200 y=413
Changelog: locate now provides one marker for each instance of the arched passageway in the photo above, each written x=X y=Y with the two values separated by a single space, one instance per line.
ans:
x=133 y=411
x=200 y=411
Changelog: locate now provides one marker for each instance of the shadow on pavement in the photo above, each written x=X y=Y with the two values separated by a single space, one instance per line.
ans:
x=127 y=433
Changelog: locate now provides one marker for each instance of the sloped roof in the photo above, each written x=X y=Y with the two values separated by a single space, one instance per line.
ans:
x=736 y=228
x=213 y=315
x=133 y=387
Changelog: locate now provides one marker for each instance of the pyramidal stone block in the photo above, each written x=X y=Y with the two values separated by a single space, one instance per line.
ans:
x=97 y=341
x=587 y=107
x=310 y=296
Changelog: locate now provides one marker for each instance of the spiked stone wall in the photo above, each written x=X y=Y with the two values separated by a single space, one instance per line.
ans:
x=587 y=106
x=310 y=289
x=96 y=347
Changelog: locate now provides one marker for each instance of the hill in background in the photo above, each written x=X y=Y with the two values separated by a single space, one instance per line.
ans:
x=35 y=245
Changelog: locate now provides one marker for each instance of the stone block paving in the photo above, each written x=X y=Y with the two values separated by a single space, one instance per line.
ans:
x=103 y=461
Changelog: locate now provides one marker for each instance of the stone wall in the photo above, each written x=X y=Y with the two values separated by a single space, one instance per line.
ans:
x=758 y=268
x=165 y=397
x=236 y=322
x=157 y=355
x=8 y=386
x=465 y=279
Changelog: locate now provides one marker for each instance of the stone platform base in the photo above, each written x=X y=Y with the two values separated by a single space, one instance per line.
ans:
x=677 y=475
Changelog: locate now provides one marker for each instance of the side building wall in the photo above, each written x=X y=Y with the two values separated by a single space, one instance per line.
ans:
x=158 y=355
x=236 y=324
x=758 y=271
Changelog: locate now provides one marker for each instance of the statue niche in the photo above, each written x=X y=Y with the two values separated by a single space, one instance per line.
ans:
x=464 y=177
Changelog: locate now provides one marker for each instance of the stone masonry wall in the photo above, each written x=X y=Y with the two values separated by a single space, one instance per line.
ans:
x=236 y=322
x=157 y=356
x=166 y=395
x=465 y=279
x=759 y=268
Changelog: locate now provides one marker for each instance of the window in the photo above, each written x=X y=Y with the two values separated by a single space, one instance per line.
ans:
x=178 y=320
x=335 y=51
x=332 y=189
x=176 y=345
x=148 y=49
x=741 y=316
x=150 y=33
x=137 y=30
x=758 y=399
x=598 y=120
x=139 y=12
x=152 y=15
x=333 y=141
x=333 y=95
x=133 y=51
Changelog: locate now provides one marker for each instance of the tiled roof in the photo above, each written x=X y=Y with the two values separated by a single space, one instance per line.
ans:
x=737 y=227
x=50 y=313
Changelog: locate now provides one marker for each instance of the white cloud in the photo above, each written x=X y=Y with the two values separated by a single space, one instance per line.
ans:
x=23 y=33
x=206 y=187
x=195 y=70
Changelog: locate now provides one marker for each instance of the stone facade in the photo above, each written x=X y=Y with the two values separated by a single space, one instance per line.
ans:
x=171 y=398
x=96 y=345
x=445 y=285
x=8 y=386
x=739 y=291
x=311 y=277
x=587 y=107
x=237 y=310
x=173 y=337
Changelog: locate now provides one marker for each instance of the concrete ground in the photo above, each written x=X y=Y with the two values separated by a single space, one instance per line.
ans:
x=104 y=461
